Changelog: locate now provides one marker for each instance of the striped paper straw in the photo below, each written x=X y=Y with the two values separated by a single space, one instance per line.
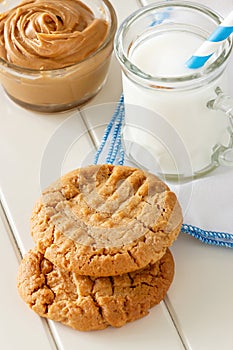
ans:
x=210 y=46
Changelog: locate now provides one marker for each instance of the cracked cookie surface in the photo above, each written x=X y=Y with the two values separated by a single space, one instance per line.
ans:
x=105 y=220
x=92 y=303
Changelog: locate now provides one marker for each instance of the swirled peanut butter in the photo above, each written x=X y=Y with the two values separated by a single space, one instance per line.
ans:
x=55 y=54
x=50 y=34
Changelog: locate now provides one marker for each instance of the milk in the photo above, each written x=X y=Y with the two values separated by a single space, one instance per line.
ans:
x=181 y=113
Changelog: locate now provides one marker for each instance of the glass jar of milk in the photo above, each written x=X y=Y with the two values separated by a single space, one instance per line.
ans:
x=174 y=124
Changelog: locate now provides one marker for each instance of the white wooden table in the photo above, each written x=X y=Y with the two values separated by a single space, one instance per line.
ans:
x=35 y=149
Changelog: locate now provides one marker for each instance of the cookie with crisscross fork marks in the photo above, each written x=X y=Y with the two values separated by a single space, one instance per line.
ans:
x=91 y=303
x=105 y=220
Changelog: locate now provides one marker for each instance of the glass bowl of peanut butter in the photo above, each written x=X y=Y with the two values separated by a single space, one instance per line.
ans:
x=55 y=54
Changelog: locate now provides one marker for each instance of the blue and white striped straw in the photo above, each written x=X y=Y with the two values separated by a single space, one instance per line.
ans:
x=210 y=46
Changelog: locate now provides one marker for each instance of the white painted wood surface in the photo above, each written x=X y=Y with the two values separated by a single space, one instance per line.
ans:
x=18 y=329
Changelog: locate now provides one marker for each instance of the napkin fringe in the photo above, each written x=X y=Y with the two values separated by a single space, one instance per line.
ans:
x=222 y=239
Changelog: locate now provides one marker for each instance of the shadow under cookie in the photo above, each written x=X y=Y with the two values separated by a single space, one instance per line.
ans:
x=92 y=303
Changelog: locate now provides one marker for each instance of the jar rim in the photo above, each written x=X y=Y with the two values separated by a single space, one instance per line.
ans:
x=109 y=37
x=169 y=81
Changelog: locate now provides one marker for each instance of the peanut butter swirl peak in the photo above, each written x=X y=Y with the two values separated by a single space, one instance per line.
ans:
x=50 y=34
x=106 y=220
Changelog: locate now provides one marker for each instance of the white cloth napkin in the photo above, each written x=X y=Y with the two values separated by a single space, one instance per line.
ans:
x=207 y=203
x=210 y=205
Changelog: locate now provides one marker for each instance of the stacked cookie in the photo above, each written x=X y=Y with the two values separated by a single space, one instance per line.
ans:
x=102 y=235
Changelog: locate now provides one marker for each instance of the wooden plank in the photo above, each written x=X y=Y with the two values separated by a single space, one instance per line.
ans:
x=19 y=327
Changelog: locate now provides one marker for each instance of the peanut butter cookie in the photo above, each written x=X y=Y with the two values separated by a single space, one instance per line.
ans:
x=105 y=220
x=92 y=303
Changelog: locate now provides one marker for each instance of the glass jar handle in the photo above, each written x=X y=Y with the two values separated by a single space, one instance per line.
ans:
x=224 y=103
